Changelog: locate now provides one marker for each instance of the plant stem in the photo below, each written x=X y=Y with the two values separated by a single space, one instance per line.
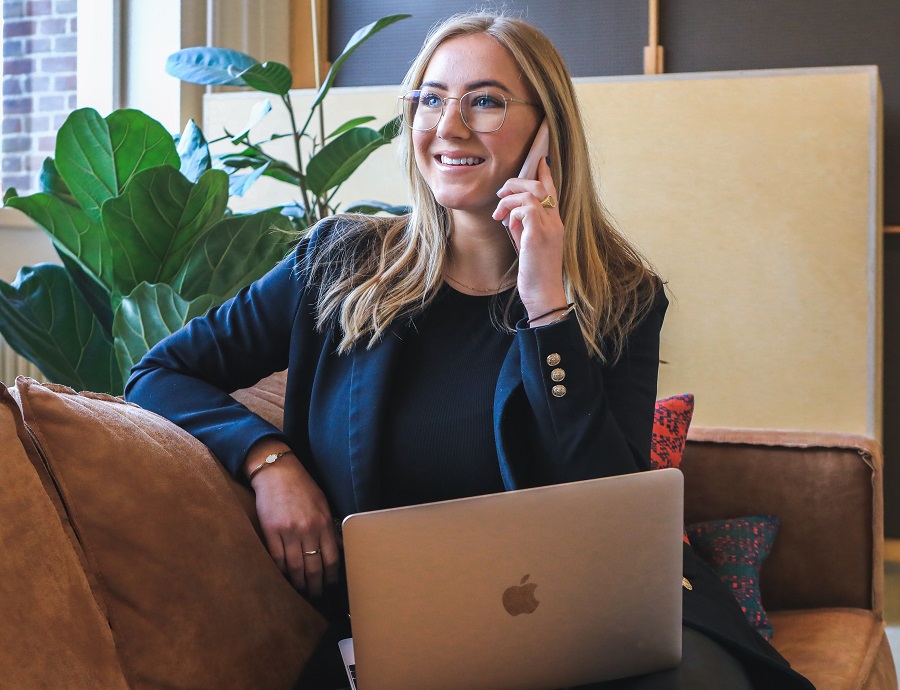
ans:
x=301 y=179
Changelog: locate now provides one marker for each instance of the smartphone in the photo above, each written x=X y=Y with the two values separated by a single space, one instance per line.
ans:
x=540 y=148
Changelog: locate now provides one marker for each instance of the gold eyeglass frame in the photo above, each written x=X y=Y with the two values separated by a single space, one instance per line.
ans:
x=444 y=100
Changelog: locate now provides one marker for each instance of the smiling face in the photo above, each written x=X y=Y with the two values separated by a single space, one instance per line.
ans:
x=464 y=169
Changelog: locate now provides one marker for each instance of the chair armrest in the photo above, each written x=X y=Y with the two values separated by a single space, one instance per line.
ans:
x=827 y=490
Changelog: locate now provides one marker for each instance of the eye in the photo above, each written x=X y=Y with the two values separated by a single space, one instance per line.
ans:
x=486 y=100
x=430 y=100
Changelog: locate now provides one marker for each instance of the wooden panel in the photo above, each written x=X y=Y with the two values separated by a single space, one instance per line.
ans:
x=302 y=62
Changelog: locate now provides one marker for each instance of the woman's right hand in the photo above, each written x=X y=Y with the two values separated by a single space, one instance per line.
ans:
x=295 y=519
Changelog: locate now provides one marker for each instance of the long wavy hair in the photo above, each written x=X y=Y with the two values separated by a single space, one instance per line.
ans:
x=373 y=270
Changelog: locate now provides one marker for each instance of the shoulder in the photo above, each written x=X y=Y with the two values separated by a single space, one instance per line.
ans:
x=348 y=241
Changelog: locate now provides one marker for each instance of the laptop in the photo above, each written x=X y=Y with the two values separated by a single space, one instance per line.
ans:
x=525 y=590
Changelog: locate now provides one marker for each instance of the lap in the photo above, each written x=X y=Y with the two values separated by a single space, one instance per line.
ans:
x=705 y=665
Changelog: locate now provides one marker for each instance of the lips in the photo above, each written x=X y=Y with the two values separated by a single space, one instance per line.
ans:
x=469 y=160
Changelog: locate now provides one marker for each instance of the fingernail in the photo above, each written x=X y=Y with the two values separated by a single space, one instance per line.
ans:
x=501 y=188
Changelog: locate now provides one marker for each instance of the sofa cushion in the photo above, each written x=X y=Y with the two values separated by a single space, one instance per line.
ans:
x=671 y=421
x=193 y=598
x=45 y=593
x=836 y=649
x=266 y=398
x=736 y=549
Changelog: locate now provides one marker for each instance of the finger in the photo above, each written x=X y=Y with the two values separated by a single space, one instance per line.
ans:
x=331 y=556
x=517 y=219
x=313 y=570
x=509 y=203
x=293 y=552
x=518 y=185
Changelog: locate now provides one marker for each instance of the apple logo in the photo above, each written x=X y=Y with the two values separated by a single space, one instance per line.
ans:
x=520 y=598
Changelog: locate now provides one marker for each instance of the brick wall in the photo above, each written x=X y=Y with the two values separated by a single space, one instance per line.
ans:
x=39 y=85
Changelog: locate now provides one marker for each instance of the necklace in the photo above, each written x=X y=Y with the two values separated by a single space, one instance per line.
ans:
x=499 y=288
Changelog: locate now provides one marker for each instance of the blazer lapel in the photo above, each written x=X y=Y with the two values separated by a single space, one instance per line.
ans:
x=370 y=376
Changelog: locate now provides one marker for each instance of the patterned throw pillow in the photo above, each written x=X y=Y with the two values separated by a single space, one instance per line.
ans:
x=671 y=422
x=670 y=427
x=736 y=550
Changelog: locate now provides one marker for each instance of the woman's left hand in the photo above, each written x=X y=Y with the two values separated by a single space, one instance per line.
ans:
x=537 y=232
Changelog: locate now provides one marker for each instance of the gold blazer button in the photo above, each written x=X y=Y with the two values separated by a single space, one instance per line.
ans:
x=558 y=391
x=558 y=375
x=554 y=359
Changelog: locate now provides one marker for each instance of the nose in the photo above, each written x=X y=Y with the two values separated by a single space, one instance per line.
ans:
x=451 y=125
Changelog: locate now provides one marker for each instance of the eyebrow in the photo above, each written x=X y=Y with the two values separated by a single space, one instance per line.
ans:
x=471 y=86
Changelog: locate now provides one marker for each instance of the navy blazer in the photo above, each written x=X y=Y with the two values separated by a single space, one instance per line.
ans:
x=334 y=404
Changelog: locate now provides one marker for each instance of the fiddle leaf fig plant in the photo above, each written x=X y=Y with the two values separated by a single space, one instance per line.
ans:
x=141 y=223
x=143 y=247
x=327 y=162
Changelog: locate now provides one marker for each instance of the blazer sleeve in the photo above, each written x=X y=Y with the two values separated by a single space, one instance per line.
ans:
x=590 y=419
x=188 y=376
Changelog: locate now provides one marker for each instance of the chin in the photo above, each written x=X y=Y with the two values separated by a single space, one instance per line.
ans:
x=464 y=202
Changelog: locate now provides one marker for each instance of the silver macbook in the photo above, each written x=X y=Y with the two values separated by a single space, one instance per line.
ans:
x=524 y=590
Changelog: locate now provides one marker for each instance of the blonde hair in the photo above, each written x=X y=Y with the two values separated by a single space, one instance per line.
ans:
x=372 y=271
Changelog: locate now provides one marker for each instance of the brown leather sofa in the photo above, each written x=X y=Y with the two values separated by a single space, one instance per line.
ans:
x=824 y=579
x=130 y=565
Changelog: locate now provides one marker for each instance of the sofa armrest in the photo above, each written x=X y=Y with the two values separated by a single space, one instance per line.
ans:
x=827 y=490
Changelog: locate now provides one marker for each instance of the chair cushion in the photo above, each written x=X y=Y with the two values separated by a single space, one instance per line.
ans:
x=837 y=649
x=193 y=598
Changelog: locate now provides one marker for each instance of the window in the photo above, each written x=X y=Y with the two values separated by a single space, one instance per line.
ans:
x=39 y=84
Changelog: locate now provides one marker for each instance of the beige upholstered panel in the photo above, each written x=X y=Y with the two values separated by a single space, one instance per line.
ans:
x=757 y=194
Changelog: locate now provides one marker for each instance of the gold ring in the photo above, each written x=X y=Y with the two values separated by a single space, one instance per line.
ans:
x=311 y=553
x=549 y=201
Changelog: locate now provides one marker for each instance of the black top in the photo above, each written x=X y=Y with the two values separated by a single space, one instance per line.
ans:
x=438 y=441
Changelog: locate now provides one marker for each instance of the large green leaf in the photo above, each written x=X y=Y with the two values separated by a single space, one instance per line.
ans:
x=97 y=158
x=139 y=143
x=350 y=124
x=239 y=184
x=84 y=159
x=251 y=159
x=271 y=77
x=257 y=113
x=391 y=129
x=50 y=182
x=356 y=40
x=146 y=316
x=73 y=231
x=282 y=172
x=337 y=160
x=46 y=320
x=234 y=253
x=153 y=224
x=194 y=152
x=209 y=66
x=96 y=295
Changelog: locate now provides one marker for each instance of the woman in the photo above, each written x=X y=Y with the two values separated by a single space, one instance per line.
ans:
x=439 y=355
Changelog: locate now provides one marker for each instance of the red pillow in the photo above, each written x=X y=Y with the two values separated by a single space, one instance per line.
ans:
x=670 y=427
x=671 y=422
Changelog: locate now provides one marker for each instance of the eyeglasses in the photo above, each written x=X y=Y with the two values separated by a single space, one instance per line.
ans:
x=481 y=111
